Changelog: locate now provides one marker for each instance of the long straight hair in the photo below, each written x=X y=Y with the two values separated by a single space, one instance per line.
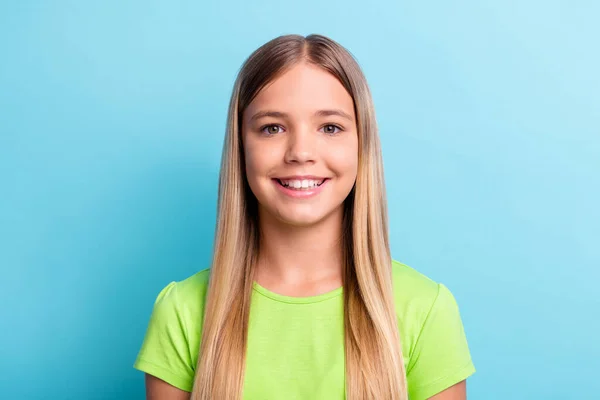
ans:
x=374 y=362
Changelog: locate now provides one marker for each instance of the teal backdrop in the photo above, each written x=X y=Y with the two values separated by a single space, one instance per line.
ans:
x=112 y=116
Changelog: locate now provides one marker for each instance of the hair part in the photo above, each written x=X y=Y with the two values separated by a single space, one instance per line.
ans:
x=374 y=362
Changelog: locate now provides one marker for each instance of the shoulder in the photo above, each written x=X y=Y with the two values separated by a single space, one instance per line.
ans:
x=434 y=345
x=417 y=295
x=182 y=303
x=418 y=300
x=170 y=347
x=188 y=295
x=194 y=285
x=178 y=311
x=412 y=289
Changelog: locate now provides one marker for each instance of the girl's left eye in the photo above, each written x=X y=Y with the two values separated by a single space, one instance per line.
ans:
x=332 y=128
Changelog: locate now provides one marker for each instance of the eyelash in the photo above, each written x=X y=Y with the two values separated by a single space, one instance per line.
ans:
x=330 y=134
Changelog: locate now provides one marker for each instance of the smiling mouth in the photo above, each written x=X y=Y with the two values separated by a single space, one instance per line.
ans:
x=301 y=184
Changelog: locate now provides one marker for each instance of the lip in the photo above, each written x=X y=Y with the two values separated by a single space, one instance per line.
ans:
x=300 y=194
x=300 y=177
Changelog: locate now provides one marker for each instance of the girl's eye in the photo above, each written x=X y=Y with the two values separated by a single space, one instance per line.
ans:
x=270 y=129
x=273 y=129
x=330 y=129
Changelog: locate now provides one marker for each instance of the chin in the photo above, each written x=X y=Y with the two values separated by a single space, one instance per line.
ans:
x=304 y=216
x=300 y=219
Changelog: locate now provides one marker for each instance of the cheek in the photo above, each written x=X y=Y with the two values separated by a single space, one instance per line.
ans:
x=343 y=159
x=250 y=154
x=256 y=161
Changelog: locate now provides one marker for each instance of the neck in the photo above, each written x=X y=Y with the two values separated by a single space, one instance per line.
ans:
x=296 y=257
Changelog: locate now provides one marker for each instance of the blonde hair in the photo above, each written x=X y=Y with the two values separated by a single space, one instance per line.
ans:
x=374 y=362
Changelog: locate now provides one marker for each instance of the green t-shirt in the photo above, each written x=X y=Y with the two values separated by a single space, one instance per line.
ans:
x=296 y=344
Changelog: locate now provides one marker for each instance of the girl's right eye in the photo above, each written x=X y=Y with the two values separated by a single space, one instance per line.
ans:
x=268 y=129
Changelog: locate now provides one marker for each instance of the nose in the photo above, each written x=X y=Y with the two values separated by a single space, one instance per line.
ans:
x=301 y=146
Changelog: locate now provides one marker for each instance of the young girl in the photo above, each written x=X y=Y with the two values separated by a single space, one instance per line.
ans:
x=303 y=300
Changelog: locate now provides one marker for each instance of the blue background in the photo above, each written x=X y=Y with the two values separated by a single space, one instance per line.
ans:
x=112 y=117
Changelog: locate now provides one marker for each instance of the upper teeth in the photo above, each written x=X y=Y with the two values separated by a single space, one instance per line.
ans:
x=305 y=183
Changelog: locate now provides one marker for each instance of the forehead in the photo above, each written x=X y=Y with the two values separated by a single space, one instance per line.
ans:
x=303 y=88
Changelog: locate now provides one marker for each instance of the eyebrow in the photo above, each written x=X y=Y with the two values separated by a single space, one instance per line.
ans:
x=319 y=113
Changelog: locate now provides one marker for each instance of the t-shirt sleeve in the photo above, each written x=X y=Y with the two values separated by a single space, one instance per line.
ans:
x=165 y=351
x=441 y=356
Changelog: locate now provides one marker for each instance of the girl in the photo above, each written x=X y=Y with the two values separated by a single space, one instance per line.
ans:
x=303 y=300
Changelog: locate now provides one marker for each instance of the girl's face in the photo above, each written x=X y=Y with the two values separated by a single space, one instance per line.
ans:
x=301 y=146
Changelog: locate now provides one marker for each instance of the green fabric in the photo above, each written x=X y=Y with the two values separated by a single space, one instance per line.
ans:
x=296 y=344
